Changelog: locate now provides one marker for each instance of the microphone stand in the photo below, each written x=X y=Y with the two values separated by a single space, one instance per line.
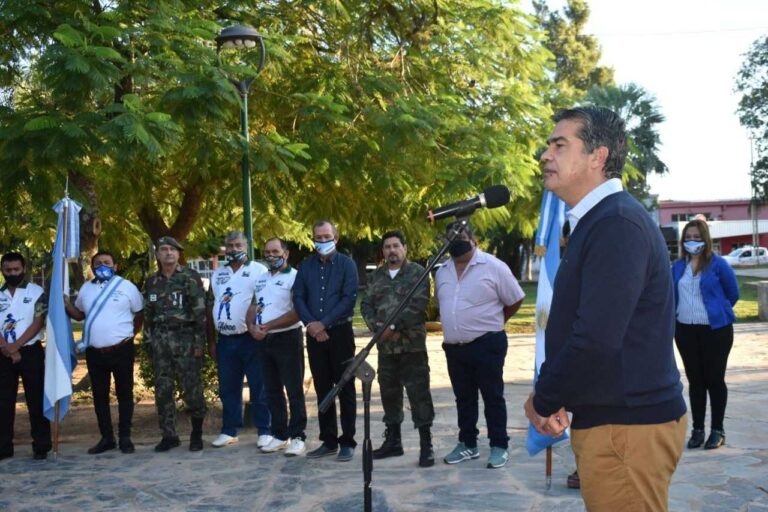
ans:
x=359 y=368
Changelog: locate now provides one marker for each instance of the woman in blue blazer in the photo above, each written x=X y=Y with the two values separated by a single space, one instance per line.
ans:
x=705 y=293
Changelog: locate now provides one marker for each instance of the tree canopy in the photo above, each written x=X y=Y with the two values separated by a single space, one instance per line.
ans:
x=752 y=83
x=366 y=113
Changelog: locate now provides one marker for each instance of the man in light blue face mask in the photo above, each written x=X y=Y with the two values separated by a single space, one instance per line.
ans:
x=324 y=296
x=112 y=310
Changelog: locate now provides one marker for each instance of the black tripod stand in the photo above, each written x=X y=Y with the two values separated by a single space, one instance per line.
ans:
x=357 y=367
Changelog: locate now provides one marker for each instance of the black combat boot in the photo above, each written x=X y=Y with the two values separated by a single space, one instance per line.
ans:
x=392 y=445
x=426 y=454
x=166 y=443
x=196 y=438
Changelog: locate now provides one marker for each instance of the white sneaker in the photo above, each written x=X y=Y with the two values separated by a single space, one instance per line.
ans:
x=274 y=445
x=264 y=440
x=296 y=447
x=224 y=440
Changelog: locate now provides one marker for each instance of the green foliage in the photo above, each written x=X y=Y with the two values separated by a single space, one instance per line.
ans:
x=639 y=110
x=366 y=113
x=752 y=84
x=576 y=54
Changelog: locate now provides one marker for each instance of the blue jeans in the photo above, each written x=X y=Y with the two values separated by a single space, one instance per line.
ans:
x=479 y=366
x=240 y=356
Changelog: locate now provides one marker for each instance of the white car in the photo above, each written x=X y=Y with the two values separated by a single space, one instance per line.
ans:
x=747 y=255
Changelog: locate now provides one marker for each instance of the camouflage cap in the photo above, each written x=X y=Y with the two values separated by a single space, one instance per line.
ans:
x=168 y=240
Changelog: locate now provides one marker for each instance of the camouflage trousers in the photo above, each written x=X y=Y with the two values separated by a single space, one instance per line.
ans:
x=168 y=358
x=409 y=370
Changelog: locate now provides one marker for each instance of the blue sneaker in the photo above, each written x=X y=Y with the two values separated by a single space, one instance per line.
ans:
x=498 y=457
x=461 y=453
x=345 y=454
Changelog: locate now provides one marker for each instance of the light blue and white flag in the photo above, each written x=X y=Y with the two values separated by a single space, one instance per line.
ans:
x=548 y=247
x=59 y=349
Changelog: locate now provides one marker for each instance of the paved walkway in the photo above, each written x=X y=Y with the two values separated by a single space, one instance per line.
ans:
x=239 y=478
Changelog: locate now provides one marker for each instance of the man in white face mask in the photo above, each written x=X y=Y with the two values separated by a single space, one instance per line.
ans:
x=324 y=296
x=237 y=354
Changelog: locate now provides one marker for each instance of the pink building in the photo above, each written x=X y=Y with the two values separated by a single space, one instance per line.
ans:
x=730 y=222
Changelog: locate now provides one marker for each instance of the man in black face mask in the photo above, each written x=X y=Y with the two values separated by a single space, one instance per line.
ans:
x=23 y=307
x=477 y=294
x=237 y=354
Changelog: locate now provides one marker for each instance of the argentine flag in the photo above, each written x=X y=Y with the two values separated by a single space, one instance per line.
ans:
x=59 y=347
x=548 y=247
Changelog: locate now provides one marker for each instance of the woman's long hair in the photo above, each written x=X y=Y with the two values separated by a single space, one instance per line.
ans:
x=706 y=255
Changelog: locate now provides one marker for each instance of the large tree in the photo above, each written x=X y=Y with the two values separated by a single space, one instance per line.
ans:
x=576 y=54
x=366 y=113
x=642 y=115
x=752 y=83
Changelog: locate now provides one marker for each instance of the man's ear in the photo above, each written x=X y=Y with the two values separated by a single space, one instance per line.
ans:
x=600 y=156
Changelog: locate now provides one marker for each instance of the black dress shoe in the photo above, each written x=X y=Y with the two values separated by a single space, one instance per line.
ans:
x=716 y=439
x=697 y=438
x=102 y=446
x=40 y=455
x=573 y=481
x=126 y=445
x=167 y=443
x=5 y=455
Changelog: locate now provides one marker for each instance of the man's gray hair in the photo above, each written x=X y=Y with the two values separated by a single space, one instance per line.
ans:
x=323 y=223
x=234 y=235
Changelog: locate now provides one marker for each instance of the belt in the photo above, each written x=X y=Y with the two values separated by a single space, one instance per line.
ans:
x=479 y=338
x=114 y=347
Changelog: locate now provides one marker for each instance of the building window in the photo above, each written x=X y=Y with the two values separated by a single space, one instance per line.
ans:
x=685 y=217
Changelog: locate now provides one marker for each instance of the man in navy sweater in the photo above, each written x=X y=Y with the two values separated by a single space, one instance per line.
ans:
x=609 y=356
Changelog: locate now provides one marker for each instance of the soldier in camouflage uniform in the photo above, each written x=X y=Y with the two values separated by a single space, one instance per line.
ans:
x=175 y=337
x=402 y=347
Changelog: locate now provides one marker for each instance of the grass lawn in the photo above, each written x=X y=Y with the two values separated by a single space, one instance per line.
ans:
x=746 y=308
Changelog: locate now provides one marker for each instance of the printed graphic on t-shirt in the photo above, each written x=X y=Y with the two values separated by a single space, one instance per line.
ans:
x=9 y=328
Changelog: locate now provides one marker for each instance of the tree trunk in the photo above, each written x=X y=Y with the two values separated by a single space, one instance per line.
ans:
x=90 y=225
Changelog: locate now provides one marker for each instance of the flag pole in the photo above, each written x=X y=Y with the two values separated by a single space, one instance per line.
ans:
x=549 y=467
x=63 y=284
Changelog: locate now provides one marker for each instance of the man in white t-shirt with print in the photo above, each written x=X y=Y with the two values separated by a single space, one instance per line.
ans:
x=236 y=353
x=111 y=308
x=274 y=323
x=23 y=308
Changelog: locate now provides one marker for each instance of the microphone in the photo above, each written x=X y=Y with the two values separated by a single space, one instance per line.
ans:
x=492 y=197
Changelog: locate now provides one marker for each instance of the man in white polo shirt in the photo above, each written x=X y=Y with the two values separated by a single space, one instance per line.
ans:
x=237 y=354
x=273 y=322
x=112 y=309
x=23 y=307
x=477 y=294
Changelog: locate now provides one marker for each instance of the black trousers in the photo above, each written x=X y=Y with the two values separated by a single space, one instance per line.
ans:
x=101 y=366
x=283 y=372
x=479 y=366
x=705 y=356
x=31 y=369
x=327 y=361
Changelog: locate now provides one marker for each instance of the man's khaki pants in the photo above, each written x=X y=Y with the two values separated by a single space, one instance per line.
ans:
x=628 y=468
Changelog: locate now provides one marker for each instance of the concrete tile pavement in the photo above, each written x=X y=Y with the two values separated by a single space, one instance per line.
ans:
x=239 y=478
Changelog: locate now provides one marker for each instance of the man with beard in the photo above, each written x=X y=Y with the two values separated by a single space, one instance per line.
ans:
x=402 y=346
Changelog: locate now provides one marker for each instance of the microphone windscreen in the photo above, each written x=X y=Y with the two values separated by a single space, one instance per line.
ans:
x=495 y=196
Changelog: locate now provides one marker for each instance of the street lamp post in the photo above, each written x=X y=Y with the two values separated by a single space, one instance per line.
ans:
x=239 y=37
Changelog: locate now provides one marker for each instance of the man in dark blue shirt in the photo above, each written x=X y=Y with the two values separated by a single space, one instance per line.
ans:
x=324 y=295
x=609 y=356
